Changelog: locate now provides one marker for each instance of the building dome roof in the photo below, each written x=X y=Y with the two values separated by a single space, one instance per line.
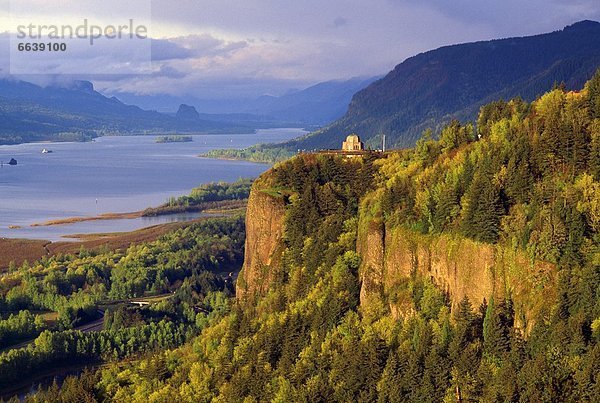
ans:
x=353 y=138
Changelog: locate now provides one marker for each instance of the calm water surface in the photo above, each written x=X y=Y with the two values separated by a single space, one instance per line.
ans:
x=112 y=174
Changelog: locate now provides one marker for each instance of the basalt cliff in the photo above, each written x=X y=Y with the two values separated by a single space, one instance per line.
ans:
x=392 y=254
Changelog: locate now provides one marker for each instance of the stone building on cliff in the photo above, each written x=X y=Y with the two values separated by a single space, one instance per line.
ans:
x=353 y=143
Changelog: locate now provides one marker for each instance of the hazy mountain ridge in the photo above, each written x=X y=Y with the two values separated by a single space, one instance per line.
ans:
x=318 y=104
x=30 y=113
x=76 y=111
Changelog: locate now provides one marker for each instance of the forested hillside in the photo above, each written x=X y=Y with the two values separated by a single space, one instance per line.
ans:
x=430 y=89
x=350 y=292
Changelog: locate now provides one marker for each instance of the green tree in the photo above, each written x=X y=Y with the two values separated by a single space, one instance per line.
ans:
x=482 y=214
x=593 y=90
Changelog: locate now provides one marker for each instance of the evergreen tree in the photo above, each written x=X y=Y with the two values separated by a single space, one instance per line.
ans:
x=490 y=114
x=496 y=329
x=454 y=135
x=593 y=89
x=464 y=332
x=594 y=159
x=481 y=218
x=519 y=178
x=446 y=208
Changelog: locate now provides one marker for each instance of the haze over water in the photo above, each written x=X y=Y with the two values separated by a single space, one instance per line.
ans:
x=112 y=174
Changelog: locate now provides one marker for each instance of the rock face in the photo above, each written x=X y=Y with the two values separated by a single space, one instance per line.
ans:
x=264 y=243
x=460 y=267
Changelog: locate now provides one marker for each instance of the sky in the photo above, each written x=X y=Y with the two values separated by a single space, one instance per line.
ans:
x=229 y=49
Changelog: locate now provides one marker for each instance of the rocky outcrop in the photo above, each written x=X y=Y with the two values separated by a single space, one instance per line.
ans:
x=187 y=112
x=265 y=218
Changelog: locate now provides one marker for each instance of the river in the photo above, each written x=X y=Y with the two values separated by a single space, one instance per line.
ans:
x=112 y=174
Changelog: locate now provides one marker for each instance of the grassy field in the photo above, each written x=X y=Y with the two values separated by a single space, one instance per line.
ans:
x=19 y=250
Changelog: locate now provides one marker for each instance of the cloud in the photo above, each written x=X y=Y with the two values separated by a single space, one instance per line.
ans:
x=164 y=49
x=243 y=49
x=170 y=72
x=208 y=45
x=513 y=17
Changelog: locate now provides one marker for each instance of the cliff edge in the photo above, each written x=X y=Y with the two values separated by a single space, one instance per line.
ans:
x=264 y=241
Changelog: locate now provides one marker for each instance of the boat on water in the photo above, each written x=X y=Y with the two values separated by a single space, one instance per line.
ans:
x=46 y=151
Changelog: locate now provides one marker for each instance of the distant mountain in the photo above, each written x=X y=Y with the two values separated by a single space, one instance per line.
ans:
x=316 y=105
x=31 y=113
x=454 y=81
x=320 y=104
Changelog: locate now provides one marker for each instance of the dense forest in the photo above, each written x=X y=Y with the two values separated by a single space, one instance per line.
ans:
x=211 y=196
x=50 y=299
x=259 y=153
x=523 y=177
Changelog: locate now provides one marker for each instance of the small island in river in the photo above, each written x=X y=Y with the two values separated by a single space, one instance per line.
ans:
x=174 y=139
